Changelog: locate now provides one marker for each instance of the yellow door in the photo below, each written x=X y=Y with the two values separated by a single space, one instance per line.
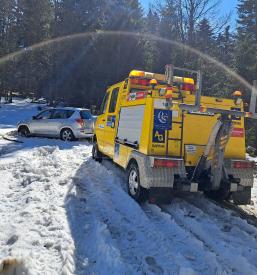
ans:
x=101 y=123
x=111 y=121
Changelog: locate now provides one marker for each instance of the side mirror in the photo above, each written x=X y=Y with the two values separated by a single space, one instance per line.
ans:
x=34 y=118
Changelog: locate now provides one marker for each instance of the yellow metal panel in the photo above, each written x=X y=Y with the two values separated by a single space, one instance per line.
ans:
x=196 y=127
x=123 y=156
x=147 y=127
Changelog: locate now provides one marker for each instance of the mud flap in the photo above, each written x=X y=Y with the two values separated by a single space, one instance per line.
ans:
x=160 y=195
x=242 y=197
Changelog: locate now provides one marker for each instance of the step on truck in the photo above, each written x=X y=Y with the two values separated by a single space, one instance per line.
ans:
x=170 y=139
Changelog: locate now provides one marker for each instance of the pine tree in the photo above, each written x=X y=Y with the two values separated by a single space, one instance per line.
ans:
x=246 y=54
x=246 y=57
x=34 y=19
x=8 y=42
x=151 y=49
x=170 y=30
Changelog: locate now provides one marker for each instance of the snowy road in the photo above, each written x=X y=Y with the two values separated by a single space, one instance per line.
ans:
x=63 y=213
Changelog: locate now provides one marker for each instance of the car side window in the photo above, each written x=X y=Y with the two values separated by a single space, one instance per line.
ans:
x=69 y=113
x=104 y=103
x=85 y=115
x=44 y=115
x=59 y=114
x=113 y=101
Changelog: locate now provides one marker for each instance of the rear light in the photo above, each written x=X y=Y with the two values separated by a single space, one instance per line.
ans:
x=188 y=87
x=237 y=132
x=80 y=121
x=166 y=163
x=248 y=114
x=140 y=81
x=169 y=92
x=243 y=164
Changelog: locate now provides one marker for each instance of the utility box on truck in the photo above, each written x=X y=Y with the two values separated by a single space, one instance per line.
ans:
x=171 y=139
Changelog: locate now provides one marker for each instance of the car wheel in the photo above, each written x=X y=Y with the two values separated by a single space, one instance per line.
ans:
x=23 y=131
x=96 y=154
x=135 y=190
x=67 y=135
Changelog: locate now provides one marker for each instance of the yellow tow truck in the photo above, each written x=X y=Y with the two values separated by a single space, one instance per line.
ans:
x=169 y=138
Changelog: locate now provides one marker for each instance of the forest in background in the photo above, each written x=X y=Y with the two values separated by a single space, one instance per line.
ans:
x=79 y=70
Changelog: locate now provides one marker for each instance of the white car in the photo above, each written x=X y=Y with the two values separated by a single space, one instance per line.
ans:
x=66 y=123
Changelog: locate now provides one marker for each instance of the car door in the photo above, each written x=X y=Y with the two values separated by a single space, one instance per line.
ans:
x=40 y=123
x=111 y=121
x=88 y=121
x=57 y=120
x=101 y=123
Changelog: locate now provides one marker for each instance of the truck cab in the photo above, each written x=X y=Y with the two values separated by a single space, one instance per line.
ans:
x=169 y=138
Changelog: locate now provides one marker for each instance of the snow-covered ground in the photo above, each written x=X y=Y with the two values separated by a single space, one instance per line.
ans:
x=63 y=213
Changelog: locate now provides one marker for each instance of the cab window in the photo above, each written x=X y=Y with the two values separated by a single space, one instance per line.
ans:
x=104 y=103
x=113 y=101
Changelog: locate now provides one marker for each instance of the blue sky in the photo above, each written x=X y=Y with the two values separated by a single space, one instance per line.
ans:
x=226 y=7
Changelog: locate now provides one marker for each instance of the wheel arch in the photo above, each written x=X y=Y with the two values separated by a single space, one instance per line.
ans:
x=66 y=127
x=132 y=160
x=23 y=125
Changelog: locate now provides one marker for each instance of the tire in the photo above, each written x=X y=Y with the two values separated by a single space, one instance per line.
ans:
x=219 y=195
x=242 y=197
x=135 y=190
x=23 y=131
x=96 y=154
x=67 y=135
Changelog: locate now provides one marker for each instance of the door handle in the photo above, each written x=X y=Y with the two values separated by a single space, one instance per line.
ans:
x=103 y=120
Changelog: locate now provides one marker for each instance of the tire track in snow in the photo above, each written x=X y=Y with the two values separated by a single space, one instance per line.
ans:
x=129 y=236
x=134 y=230
x=229 y=227
x=241 y=245
x=194 y=249
x=222 y=214
x=230 y=250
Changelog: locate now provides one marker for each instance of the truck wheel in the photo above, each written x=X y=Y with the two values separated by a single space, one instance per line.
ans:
x=220 y=195
x=23 y=131
x=242 y=197
x=96 y=154
x=135 y=190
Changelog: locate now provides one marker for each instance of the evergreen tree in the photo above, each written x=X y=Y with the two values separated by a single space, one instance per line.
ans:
x=225 y=53
x=246 y=56
x=205 y=43
x=151 y=49
x=8 y=42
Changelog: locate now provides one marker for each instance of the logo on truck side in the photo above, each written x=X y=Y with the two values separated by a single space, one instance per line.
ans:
x=162 y=119
x=158 y=136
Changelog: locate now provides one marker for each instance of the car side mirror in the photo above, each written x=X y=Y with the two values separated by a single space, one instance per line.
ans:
x=34 y=118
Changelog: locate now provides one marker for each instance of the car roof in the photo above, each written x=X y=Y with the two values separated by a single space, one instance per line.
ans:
x=67 y=108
